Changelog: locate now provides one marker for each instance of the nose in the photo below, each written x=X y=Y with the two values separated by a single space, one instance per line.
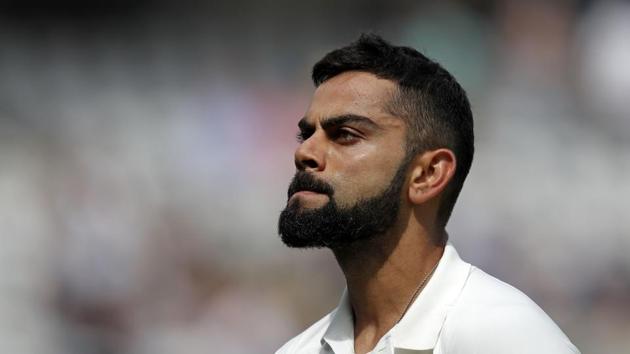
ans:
x=310 y=155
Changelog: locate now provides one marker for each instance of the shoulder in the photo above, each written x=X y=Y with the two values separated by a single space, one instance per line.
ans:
x=495 y=317
x=309 y=339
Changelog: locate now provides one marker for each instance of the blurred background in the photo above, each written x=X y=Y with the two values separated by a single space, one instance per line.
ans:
x=146 y=148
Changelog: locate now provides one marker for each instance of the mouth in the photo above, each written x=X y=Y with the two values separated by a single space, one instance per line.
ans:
x=307 y=194
x=307 y=190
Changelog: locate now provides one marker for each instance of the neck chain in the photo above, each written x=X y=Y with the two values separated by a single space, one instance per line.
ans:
x=418 y=289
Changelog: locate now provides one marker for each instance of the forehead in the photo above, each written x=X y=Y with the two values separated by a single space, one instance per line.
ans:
x=352 y=92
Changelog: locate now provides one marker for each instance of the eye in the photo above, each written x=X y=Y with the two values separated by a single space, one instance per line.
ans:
x=345 y=136
x=302 y=135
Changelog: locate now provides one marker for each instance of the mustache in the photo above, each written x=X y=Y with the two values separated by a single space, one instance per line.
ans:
x=304 y=181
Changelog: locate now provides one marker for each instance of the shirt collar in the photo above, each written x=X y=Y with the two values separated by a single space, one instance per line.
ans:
x=340 y=333
x=420 y=327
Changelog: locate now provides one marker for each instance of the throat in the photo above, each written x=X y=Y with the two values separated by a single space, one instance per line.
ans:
x=370 y=327
x=366 y=340
x=382 y=286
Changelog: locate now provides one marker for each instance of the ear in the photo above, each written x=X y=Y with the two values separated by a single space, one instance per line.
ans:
x=430 y=174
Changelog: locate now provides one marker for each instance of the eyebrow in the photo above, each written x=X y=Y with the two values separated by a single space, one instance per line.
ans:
x=330 y=122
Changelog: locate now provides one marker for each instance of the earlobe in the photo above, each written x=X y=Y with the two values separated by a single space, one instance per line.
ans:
x=431 y=173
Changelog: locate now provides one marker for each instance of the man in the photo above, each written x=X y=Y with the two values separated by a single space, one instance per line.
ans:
x=385 y=146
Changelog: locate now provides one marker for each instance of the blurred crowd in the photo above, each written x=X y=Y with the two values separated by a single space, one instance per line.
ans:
x=145 y=153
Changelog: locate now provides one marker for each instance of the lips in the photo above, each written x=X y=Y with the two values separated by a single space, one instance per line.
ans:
x=305 y=192
x=305 y=184
x=308 y=198
x=293 y=191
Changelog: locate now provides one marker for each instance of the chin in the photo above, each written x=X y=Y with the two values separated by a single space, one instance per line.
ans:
x=310 y=206
x=308 y=203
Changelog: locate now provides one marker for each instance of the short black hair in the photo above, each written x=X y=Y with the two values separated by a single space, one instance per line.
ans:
x=433 y=104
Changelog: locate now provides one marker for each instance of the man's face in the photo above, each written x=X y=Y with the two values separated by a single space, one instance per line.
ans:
x=350 y=170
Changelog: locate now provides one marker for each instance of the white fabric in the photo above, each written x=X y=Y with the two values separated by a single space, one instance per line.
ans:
x=461 y=310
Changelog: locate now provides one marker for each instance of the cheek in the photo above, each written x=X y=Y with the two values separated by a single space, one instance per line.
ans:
x=363 y=174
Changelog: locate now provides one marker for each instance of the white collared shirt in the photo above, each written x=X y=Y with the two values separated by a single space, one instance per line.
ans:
x=461 y=310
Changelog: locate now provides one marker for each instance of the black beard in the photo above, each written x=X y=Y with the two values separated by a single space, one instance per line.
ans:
x=334 y=227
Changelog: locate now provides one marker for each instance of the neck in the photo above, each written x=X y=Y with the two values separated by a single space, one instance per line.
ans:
x=382 y=276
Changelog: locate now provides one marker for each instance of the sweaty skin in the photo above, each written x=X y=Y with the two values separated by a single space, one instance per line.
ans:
x=358 y=158
x=351 y=142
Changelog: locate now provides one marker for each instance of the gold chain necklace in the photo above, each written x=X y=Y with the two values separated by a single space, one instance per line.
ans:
x=417 y=291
